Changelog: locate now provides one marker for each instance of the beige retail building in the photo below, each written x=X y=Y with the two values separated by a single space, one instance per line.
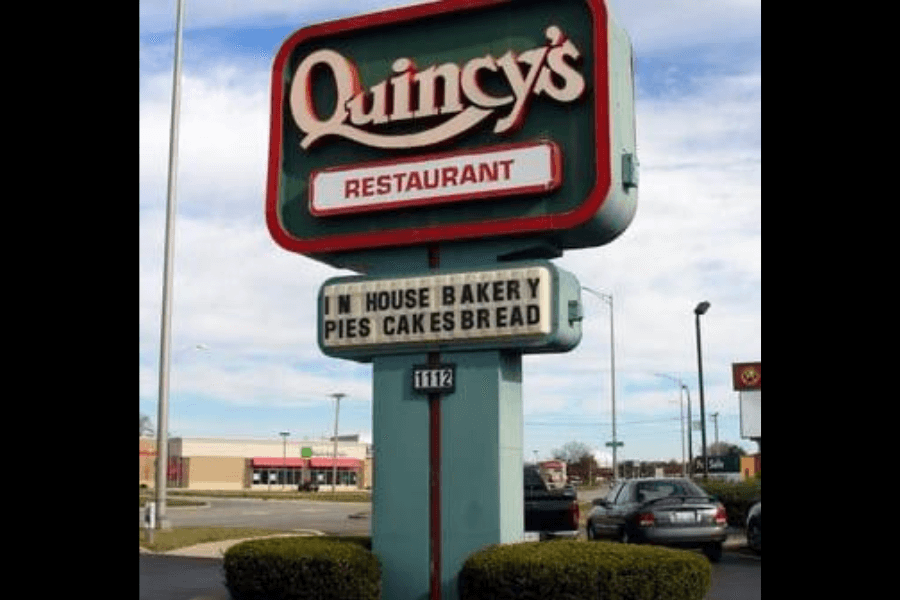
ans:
x=259 y=464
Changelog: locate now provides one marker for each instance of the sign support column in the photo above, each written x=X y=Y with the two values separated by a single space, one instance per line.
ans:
x=434 y=462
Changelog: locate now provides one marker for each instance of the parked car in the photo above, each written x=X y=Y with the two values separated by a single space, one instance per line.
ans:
x=754 y=532
x=550 y=512
x=670 y=512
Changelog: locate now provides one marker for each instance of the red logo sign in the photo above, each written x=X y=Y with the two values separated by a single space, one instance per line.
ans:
x=746 y=376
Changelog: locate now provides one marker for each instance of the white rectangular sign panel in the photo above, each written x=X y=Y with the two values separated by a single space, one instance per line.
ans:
x=751 y=413
x=511 y=303
x=475 y=175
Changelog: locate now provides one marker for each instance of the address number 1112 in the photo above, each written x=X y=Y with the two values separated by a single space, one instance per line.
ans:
x=434 y=379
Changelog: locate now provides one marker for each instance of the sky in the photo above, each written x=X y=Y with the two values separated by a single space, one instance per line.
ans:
x=244 y=358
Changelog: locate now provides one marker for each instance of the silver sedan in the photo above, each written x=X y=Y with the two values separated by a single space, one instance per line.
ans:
x=669 y=512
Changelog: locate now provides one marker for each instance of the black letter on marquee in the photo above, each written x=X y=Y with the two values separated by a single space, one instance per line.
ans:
x=343 y=304
x=447 y=295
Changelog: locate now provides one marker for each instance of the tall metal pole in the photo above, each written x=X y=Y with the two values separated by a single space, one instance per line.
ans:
x=681 y=422
x=690 y=442
x=162 y=434
x=699 y=310
x=284 y=435
x=612 y=361
x=337 y=406
x=715 y=417
x=681 y=388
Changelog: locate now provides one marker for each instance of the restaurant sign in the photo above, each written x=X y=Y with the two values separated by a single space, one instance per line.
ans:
x=459 y=119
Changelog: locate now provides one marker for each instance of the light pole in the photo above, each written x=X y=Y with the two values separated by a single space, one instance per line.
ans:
x=699 y=310
x=337 y=406
x=683 y=388
x=162 y=421
x=284 y=435
x=612 y=373
x=690 y=442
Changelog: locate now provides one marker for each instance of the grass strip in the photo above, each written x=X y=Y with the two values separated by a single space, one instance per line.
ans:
x=165 y=540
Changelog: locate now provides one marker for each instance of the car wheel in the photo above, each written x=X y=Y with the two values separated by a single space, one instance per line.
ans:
x=591 y=534
x=713 y=551
x=754 y=536
x=624 y=537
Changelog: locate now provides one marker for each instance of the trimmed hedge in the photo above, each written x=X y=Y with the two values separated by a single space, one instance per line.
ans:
x=736 y=497
x=303 y=568
x=580 y=570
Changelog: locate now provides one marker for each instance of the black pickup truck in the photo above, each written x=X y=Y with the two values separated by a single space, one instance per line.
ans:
x=549 y=512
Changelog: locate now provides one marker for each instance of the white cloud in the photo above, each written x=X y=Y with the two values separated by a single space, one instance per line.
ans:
x=159 y=15
x=658 y=25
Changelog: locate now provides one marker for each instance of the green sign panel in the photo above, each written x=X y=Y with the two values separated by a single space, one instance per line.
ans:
x=453 y=120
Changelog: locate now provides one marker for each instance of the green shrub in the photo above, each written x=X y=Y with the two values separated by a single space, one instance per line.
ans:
x=300 y=568
x=736 y=497
x=580 y=570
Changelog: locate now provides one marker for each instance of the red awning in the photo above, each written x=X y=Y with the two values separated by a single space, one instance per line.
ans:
x=321 y=462
x=278 y=462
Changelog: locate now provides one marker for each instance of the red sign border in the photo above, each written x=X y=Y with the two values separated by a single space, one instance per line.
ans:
x=555 y=179
x=415 y=236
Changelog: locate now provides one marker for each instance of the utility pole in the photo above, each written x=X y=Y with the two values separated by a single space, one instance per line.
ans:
x=614 y=444
x=284 y=435
x=337 y=407
x=715 y=417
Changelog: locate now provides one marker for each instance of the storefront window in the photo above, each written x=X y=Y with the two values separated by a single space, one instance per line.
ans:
x=293 y=476
x=344 y=477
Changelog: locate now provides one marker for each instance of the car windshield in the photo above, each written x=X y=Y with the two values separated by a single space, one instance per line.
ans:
x=646 y=491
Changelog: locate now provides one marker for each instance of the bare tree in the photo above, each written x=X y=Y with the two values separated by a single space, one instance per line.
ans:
x=572 y=452
x=146 y=426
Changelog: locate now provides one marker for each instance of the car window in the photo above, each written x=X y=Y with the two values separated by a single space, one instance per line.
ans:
x=653 y=490
x=611 y=494
x=533 y=479
x=624 y=494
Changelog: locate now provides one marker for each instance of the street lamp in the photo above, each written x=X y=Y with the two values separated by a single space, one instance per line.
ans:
x=612 y=373
x=337 y=406
x=284 y=435
x=701 y=309
x=683 y=388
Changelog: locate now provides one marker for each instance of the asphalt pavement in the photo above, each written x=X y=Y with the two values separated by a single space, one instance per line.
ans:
x=736 y=537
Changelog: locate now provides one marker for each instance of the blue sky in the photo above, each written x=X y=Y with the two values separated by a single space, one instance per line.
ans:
x=251 y=305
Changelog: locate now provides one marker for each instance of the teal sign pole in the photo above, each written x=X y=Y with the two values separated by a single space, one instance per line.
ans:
x=448 y=466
